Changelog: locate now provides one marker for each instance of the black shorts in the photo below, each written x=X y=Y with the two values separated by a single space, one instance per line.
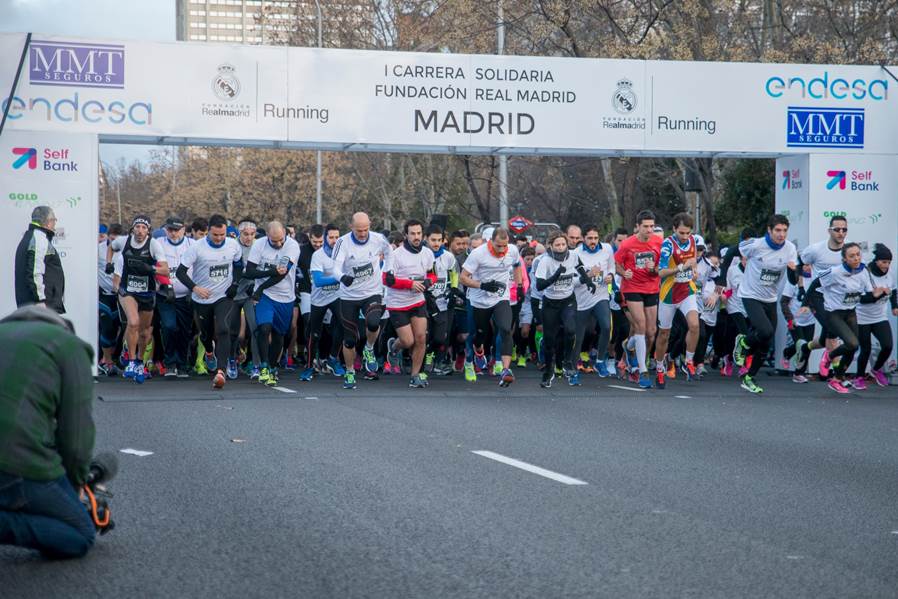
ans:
x=648 y=300
x=401 y=318
x=145 y=302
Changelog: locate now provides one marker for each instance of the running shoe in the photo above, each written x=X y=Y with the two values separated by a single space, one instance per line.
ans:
x=748 y=383
x=799 y=378
x=573 y=379
x=470 y=375
x=506 y=378
x=105 y=369
x=859 y=383
x=140 y=374
x=370 y=360
x=349 y=380
x=672 y=369
x=388 y=368
x=395 y=368
x=645 y=382
x=183 y=373
x=218 y=380
x=442 y=369
x=266 y=378
x=428 y=361
x=548 y=377
x=689 y=370
x=124 y=359
x=727 y=368
x=161 y=370
x=522 y=361
x=623 y=369
x=802 y=353
x=423 y=376
x=307 y=374
x=335 y=367
x=825 y=363
x=232 y=369
x=497 y=369
x=880 y=377
x=480 y=361
x=171 y=373
x=602 y=369
x=210 y=361
x=373 y=376
x=559 y=371
x=659 y=380
x=289 y=363
x=417 y=382
x=739 y=350
x=255 y=373
x=743 y=370
x=630 y=354
x=459 y=364
x=837 y=386
x=129 y=370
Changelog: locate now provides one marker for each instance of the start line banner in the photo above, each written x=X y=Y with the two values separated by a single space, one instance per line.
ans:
x=349 y=99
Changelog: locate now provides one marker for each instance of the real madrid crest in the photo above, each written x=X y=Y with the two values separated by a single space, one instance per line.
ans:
x=624 y=98
x=225 y=84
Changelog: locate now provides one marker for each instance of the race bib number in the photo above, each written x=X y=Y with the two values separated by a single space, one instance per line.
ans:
x=643 y=259
x=499 y=292
x=335 y=288
x=564 y=283
x=219 y=272
x=770 y=277
x=439 y=288
x=852 y=299
x=138 y=284
x=683 y=277
x=364 y=272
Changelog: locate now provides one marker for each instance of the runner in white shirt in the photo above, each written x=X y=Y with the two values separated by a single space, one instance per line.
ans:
x=271 y=262
x=800 y=323
x=873 y=316
x=175 y=313
x=139 y=261
x=594 y=308
x=358 y=256
x=408 y=273
x=843 y=287
x=445 y=266
x=487 y=276
x=211 y=269
x=325 y=298
x=707 y=270
x=243 y=317
x=769 y=261
x=108 y=303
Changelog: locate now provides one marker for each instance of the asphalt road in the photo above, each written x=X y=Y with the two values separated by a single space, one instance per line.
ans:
x=700 y=490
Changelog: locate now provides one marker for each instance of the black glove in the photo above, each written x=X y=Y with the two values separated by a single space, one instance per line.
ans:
x=389 y=279
x=799 y=297
x=257 y=295
x=427 y=284
x=231 y=293
x=110 y=268
x=491 y=286
x=347 y=280
x=558 y=272
x=456 y=297
x=590 y=285
x=584 y=278
x=139 y=267
x=520 y=293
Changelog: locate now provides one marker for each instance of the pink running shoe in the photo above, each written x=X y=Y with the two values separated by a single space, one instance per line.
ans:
x=397 y=369
x=358 y=364
x=860 y=384
x=727 y=366
x=388 y=369
x=880 y=377
x=743 y=371
x=825 y=363
x=837 y=386
x=799 y=378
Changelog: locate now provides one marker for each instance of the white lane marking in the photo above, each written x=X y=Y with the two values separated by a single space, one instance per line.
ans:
x=138 y=452
x=567 y=480
x=683 y=396
x=627 y=388
x=283 y=390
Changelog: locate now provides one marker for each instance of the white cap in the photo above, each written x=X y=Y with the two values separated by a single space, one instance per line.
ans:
x=488 y=233
x=699 y=240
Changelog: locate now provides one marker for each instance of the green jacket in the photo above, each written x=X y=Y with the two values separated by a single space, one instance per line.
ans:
x=46 y=397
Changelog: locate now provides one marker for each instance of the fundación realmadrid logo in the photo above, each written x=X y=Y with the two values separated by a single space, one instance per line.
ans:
x=226 y=88
x=624 y=99
x=225 y=84
x=25 y=156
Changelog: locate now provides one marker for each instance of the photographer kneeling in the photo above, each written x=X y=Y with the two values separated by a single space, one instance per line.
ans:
x=46 y=433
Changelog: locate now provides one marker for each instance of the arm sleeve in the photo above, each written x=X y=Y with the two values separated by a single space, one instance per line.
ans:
x=391 y=281
x=666 y=251
x=75 y=429
x=784 y=306
x=732 y=254
x=319 y=280
x=185 y=279
x=252 y=271
x=893 y=299
x=36 y=255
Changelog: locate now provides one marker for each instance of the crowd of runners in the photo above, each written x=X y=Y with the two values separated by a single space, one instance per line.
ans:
x=646 y=304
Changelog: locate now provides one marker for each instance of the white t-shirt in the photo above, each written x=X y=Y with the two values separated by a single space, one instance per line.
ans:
x=173 y=255
x=104 y=280
x=603 y=257
x=879 y=310
x=444 y=264
x=765 y=271
x=820 y=258
x=842 y=289
x=735 y=277
x=362 y=261
x=801 y=319
x=268 y=257
x=407 y=265
x=705 y=275
x=534 y=292
x=484 y=266
x=212 y=267
x=326 y=295
x=563 y=287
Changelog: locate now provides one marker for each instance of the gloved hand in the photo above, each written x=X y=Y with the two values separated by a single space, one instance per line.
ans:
x=590 y=285
x=520 y=293
x=231 y=293
x=257 y=295
x=139 y=267
x=559 y=272
x=427 y=284
x=168 y=293
x=491 y=286
x=347 y=280
x=389 y=279
x=110 y=268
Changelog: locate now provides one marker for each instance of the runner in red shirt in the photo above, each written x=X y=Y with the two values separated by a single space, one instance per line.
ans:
x=637 y=263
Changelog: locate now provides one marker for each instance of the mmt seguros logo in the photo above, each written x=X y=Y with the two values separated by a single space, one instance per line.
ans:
x=824 y=127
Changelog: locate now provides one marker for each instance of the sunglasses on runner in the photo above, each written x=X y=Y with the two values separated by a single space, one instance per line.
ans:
x=839 y=229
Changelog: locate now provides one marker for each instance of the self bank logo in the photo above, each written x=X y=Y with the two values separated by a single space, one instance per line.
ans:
x=824 y=127
x=792 y=179
x=25 y=156
x=836 y=178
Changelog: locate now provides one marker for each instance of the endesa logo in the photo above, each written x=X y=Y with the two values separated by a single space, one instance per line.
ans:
x=51 y=159
x=851 y=180
x=824 y=127
x=826 y=88
x=76 y=109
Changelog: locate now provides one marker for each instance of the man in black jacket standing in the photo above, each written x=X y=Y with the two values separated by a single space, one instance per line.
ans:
x=39 y=276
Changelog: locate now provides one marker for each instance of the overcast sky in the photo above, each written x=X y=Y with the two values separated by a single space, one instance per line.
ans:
x=152 y=20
